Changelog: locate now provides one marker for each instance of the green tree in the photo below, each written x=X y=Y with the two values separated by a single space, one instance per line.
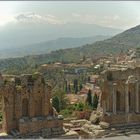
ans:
x=88 y=78
x=69 y=88
x=95 y=101
x=79 y=106
x=66 y=86
x=80 y=87
x=0 y=116
x=75 y=85
x=55 y=103
x=84 y=57
x=89 y=98
x=63 y=101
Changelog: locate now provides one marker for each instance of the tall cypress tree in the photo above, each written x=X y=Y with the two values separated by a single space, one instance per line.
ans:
x=69 y=89
x=66 y=87
x=75 y=85
x=89 y=98
x=80 y=86
x=95 y=101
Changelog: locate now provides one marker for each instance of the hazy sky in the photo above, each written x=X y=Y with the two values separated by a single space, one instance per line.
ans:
x=119 y=14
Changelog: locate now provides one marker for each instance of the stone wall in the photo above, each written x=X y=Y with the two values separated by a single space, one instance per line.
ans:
x=122 y=119
x=37 y=125
x=120 y=74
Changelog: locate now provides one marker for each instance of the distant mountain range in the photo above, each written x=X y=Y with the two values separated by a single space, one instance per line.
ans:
x=48 y=46
x=114 y=45
x=21 y=33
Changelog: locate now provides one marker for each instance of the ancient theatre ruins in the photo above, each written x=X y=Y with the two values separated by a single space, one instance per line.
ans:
x=26 y=104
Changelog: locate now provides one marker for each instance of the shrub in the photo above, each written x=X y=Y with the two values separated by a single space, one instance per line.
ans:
x=0 y=116
x=17 y=81
x=66 y=112
x=79 y=107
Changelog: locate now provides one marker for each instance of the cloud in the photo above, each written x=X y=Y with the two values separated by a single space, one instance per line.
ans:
x=111 y=18
x=76 y=15
x=30 y=17
x=116 y=17
x=84 y=18
x=138 y=18
x=36 y=18
x=4 y=19
x=111 y=21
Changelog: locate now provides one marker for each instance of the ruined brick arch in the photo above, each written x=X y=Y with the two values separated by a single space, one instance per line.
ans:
x=25 y=107
x=38 y=106
x=118 y=101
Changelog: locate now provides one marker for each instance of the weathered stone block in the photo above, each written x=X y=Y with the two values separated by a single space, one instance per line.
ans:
x=104 y=125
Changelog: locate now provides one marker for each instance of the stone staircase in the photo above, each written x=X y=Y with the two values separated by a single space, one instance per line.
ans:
x=14 y=132
x=126 y=126
x=96 y=131
x=126 y=129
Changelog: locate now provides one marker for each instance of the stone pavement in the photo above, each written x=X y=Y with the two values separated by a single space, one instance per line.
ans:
x=128 y=137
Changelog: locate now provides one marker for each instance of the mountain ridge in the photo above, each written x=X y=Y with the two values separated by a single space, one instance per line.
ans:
x=48 y=46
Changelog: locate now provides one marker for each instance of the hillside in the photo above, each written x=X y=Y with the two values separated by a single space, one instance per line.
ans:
x=121 y=42
x=48 y=46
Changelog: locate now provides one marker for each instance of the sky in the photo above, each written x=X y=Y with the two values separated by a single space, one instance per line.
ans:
x=116 y=14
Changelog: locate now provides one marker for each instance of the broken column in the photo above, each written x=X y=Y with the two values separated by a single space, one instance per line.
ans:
x=127 y=97
x=114 y=98
x=137 y=97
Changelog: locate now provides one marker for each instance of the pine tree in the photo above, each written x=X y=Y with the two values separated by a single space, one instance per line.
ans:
x=95 y=101
x=75 y=85
x=88 y=78
x=80 y=86
x=69 y=89
x=66 y=87
x=89 y=98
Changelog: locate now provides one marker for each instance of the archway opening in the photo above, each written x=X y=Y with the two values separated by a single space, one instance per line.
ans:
x=38 y=107
x=118 y=101
x=131 y=103
x=25 y=107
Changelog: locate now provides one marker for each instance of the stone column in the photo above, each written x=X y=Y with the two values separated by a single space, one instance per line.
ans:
x=47 y=97
x=114 y=98
x=18 y=106
x=127 y=97
x=31 y=106
x=104 y=107
x=137 y=97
